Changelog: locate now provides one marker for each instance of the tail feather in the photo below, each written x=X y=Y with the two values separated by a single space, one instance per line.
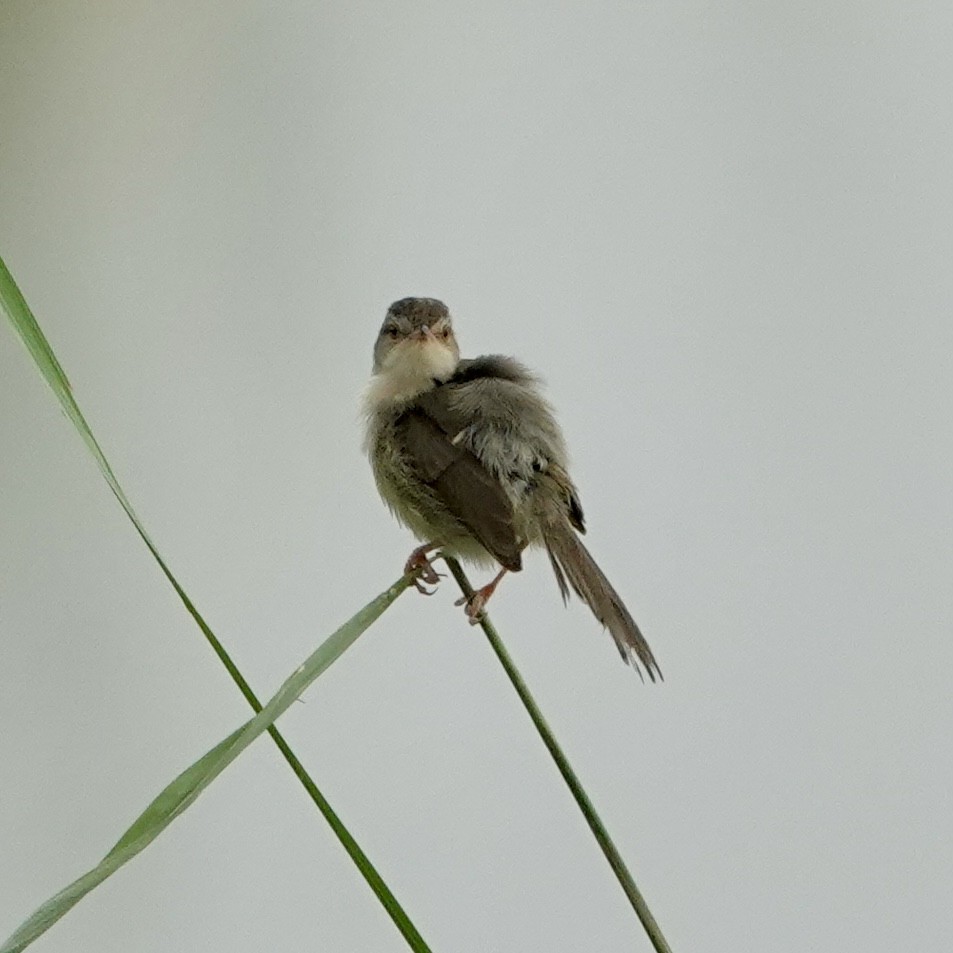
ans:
x=560 y=577
x=572 y=561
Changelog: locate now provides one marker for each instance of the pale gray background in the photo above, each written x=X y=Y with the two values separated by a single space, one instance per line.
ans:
x=724 y=234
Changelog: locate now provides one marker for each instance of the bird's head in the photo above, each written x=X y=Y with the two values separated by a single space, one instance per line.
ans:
x=416 y=341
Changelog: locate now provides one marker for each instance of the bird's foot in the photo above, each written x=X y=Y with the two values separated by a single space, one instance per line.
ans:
x=419 y=562
x=475 y=606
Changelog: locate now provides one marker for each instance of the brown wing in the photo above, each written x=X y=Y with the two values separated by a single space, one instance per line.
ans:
x=468 y=490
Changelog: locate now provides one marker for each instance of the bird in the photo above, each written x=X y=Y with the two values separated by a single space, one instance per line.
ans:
x=467 y=454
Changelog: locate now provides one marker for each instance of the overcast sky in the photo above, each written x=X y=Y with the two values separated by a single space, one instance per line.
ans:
x=722 y=233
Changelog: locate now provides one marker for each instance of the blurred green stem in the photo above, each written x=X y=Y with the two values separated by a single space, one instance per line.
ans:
x=27 y=327
x=598 y=829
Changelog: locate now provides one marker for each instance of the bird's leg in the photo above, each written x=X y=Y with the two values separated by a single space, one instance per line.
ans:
x=476 y=604
x=419 y=562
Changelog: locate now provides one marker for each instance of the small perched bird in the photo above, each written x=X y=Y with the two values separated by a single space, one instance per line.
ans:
x=468 y=455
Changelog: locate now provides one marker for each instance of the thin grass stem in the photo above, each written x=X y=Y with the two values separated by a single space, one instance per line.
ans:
x=598 y=829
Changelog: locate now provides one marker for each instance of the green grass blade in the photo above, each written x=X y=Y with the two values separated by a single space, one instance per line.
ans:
x=598 y=829
x=175 y=798
x=26 y=326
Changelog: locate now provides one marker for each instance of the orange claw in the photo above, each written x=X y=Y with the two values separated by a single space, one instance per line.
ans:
x=475 y=605
x=420 y=563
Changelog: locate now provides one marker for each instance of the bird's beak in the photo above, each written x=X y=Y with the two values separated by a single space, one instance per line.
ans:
x=423 y=334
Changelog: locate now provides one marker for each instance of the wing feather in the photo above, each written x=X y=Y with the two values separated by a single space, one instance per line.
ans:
x=468 y=490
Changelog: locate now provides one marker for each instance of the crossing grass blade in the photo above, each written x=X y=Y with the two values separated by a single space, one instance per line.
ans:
x=25 y=324
x=177 y=796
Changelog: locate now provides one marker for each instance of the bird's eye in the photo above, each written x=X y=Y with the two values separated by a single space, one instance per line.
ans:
x=393 y=333
x=445 y=332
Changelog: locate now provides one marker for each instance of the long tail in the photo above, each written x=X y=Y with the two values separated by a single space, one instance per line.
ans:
x=571 y=561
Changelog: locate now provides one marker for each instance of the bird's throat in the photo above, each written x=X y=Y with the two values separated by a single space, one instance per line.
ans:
x=409 y=371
